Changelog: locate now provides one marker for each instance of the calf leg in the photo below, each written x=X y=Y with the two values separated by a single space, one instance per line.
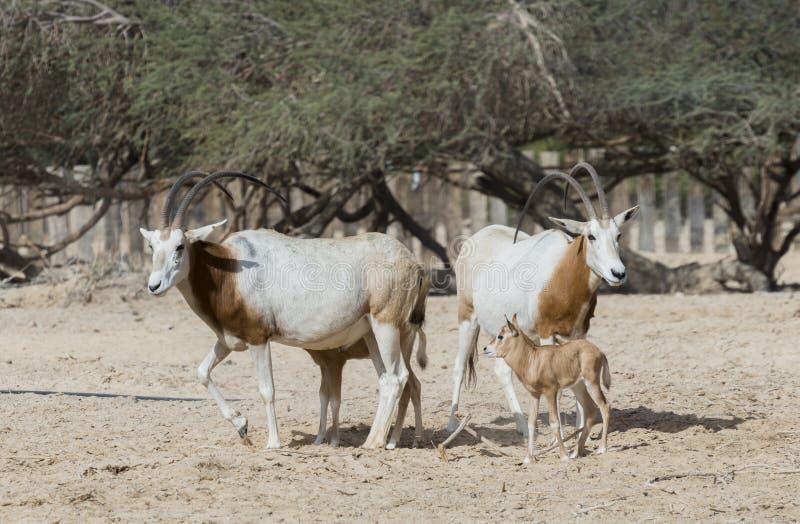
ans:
x=335 y=392
x=468 y=331
x=262 y=359
x=589 y=410
x=324 y=396
x=555 y=422
x=605 y=410
x=533 y=419
x=410 y=392
x=218 y=353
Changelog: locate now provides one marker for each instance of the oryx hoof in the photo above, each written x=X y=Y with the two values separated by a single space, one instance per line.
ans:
x=242 y=428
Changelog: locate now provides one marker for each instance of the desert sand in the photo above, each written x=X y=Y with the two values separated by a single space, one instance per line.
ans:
x=704 y=422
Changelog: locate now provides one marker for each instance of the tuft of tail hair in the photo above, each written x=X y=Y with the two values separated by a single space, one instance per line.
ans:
x=417 y=317
x=471 y=374
x=422 y=344
x=606 y=373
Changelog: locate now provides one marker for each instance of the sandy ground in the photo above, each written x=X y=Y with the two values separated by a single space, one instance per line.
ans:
x=704 y=422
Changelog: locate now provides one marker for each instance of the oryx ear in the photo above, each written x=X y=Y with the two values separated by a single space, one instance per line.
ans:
x=201 y=233
x=573 y=227
x=626 y=215
x=148 y=235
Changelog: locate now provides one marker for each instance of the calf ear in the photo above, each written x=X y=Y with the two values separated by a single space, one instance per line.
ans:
x=573 y=227
x=626 y=215
x=201 y=233
x=512 y=325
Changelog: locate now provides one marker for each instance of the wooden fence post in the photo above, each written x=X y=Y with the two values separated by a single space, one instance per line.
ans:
x=498 y=212
x=697 y=216
x=619 y=200
x=646 y=191
x=478 y=211
x=672 y=212
x=721 y=226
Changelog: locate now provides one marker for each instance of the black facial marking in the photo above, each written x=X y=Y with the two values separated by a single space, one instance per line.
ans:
x=248 y=246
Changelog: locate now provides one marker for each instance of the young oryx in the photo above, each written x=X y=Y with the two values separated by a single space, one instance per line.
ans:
x=331 y=364
x=546 y=370
x=319 y=294
x=550 y=278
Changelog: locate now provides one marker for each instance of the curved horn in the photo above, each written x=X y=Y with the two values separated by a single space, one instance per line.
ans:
x=169 y=203
x=571 y=181
x=178 y=219
x=601 y=195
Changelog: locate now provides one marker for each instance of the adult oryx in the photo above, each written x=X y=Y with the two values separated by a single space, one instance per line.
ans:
x=318 y=294
x=549 y=280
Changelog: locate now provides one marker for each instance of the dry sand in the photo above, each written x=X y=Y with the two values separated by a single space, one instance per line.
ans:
x=704 y=422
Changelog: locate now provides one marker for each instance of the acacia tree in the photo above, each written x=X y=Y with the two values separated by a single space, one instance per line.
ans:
x=707 y=87
x=333 y=97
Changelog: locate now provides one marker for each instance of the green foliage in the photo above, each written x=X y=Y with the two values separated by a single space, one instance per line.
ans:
x=714 y=79
x=339 y=87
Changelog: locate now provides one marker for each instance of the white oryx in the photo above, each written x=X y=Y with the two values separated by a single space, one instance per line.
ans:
x=549 y=280
x=319 y=294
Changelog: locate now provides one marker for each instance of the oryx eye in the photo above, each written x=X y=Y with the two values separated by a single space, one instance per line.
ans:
x=591 y=237
x=179 y=248
x=499 y=337
x=619 y=235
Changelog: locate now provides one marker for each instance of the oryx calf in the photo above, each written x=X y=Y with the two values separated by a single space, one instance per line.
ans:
x=318 y=294
x=546 y=370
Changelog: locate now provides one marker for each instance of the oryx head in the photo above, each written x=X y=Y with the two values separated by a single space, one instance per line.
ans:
x=170 y=243
x=602 y=233
x=506 y=338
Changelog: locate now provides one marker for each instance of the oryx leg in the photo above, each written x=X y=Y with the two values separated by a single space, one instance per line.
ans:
x=555 y=423
x=392 y=381
x=605 y=410
x=411 y=391
x=549 y=341
x=533 y=419
x=218 y=353
x=505 y=374
x=589 y=409
x=468 y=331
x=262 y=360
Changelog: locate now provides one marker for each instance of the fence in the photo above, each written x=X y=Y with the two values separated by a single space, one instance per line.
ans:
x=678 y=215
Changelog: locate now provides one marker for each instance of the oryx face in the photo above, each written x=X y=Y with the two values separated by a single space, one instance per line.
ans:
x=602 y=243
x=170 y=260
x=171 y=255
x=505 y=338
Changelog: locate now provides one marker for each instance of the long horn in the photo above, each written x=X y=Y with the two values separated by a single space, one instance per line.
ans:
x=601 y=195
x=571 y=181
x=178 y=219
x=169 y=203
